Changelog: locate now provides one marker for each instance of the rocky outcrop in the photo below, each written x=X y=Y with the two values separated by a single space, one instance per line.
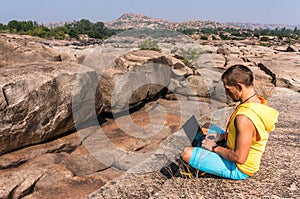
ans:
x=282 y=68
x=46 y=95
x=290 y=48
x=59 y=168
x=73 y=165
x=36 y=102
x=276 y=66
x=137 y=76
x=16 y=50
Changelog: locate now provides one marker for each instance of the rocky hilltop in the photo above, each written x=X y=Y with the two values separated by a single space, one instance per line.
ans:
x=100 y=121
x=133 y=20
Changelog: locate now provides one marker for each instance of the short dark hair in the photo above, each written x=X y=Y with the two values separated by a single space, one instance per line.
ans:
x=238 y=74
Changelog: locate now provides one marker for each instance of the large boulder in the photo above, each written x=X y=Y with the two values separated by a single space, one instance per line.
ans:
x=36 y=102
x=210 y=61
x=20 y=49
x=193 y=86
x=282 y=68
x=137 y=76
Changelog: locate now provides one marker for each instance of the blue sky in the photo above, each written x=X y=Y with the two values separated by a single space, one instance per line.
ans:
x=256 y=11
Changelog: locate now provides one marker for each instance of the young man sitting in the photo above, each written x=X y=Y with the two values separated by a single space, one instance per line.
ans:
x=246 y=133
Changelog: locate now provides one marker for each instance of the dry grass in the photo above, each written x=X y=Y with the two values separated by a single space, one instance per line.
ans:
x=266 y=91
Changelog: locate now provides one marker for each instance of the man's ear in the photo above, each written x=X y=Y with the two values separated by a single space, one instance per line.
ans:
x=239 y=86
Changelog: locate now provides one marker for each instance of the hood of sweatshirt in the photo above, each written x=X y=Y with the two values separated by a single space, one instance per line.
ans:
x=267 y=114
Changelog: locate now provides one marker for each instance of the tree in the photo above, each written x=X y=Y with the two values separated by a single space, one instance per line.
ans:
x=256 y=34
x=99 y=30
x=83 y=26
x=41 y=31
x=59 y=32
x=14 y=26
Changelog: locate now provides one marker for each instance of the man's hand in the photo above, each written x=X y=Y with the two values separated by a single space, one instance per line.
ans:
x=209 y=128
x=205 y=128
x=216 y=137
x=210 y=141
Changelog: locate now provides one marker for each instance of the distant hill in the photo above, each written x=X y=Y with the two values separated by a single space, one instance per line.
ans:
x=133 y=20
x=253 y=26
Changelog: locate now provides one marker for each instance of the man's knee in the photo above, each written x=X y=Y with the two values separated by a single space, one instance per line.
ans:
x=187 y=153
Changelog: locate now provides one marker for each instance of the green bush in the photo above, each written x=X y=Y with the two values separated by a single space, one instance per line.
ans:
x=203 y=37
x=288 y=40
x=40 y=32
x=148 y=44
x=264 y=39
x=224 y=37
x=190 y=57
x=264 y=44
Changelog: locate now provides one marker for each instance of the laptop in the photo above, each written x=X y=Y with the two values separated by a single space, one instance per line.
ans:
x=193 y=131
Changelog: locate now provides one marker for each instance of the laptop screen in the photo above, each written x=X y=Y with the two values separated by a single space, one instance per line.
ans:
x=193 y=130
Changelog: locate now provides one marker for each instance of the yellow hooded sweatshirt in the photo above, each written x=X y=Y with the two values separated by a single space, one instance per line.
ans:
x=264 y=118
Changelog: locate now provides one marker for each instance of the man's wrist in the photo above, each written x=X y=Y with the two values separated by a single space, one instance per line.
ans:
x=214 y=148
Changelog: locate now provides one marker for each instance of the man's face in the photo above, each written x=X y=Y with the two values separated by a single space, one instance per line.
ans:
x=232 y=91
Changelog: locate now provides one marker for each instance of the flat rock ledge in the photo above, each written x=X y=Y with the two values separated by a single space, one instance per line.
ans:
x=278 y=176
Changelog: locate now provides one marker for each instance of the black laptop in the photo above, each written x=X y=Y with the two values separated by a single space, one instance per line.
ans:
x=193 y=131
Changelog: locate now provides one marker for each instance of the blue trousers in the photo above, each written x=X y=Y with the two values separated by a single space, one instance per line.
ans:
x=213 y=163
